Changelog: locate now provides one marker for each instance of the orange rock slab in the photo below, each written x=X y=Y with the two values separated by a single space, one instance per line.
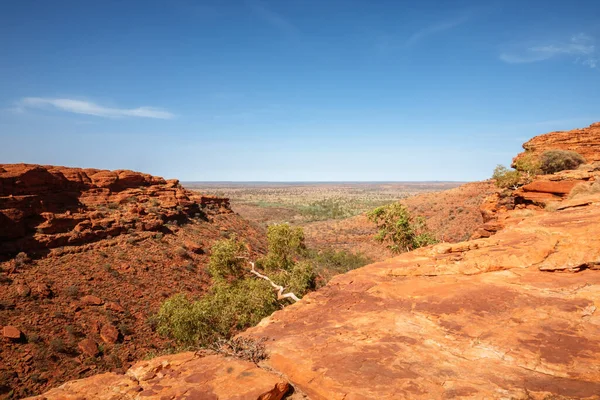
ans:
x=180 y=376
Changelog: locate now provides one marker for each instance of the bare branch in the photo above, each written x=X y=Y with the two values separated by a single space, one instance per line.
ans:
x=280 y=289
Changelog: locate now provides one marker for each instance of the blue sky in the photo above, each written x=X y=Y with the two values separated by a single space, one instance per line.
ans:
x=292 y=90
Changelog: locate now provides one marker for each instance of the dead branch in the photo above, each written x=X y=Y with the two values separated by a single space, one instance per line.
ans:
x=280 y=289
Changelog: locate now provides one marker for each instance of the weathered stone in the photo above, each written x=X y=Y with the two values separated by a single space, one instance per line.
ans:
x=112 y=306
x=88 y=347
x=109 y=334
x=91 y=300
x=44 y=207
x=555 y=187
x=210 y=377
x=11 y=332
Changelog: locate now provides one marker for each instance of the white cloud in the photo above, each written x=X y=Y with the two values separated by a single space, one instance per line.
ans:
x=89 y=108
x=580 y=46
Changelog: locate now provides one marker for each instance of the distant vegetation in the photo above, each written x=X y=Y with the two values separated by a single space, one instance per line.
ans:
x=239 y=299
x=529 y=165
x=331 y=208
x=401 y=231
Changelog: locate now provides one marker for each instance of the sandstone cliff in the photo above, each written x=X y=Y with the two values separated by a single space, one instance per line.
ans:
x=585 y=141
x=43 y=207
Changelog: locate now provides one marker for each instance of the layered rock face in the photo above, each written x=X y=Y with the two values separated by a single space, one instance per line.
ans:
x=43 y=207
x=585 y=141
x=510 y=316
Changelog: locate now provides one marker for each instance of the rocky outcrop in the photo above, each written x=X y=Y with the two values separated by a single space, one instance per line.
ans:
x=585 y=141
x=510 y=316
x=181 y=376
x=44 y=207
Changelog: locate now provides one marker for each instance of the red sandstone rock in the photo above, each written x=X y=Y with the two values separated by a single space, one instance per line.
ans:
x=109 y=334
x=112 y=306
x=88 y=347
x=10 y=332
x=585 y=141
x=210 y=377
x=560 y=188
x=91 y=300
x=45 y=207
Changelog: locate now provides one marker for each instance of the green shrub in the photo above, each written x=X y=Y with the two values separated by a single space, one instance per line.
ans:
x=529 y=164
x=225 y=262
x=506 y=178
x=553 y=161
x=226 y=309
x=400 y=229
x=285 y=245
x=300 y=279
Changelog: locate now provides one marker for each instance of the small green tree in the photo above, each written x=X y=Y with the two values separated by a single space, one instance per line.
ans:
x=400 y=229
x=285 y=245
x=225 y=262
x=506 y=178
x=529 y=164
x=553 y=161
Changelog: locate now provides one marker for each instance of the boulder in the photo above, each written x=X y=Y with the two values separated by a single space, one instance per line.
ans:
x=91 y=300
x=88 y=347
x=11 y=332
x=109 y=334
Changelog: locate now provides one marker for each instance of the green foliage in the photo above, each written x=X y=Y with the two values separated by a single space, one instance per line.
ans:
x=400 y=229
x=529 y=164
x=553 y=161
x=506 y=178
x=329 y=263
x=285 y=244
x=300 y=279
x=330 y=208
x=225 y=262
x=237 y=300
x=227 y=308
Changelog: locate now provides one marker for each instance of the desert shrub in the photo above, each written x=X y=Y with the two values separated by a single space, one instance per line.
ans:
x=245 y=348
x=529 y=163
x=300 y=279
x=229 y=307
x=331 y=208
x=399 y=229
x=584 y=189
x=329 y=263
x=553 y=161
x=225 y=262
x=285 y=245
x=506 y=178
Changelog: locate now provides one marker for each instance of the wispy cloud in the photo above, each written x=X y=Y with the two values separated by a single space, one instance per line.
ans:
x=89 y=108
x=435 y=29
x=271 y=17
x=580 y=47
